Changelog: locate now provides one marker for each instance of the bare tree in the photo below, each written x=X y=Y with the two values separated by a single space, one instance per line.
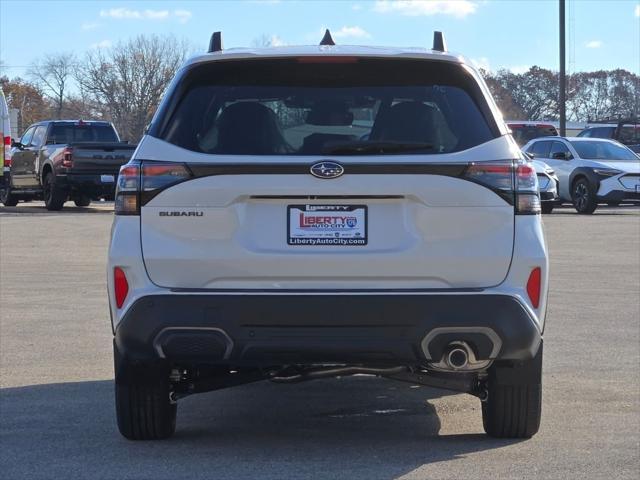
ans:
x=53 y=74
x=128 y=80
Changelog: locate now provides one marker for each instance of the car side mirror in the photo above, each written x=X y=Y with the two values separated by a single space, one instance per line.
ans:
x=16 y=144
x=529 y=155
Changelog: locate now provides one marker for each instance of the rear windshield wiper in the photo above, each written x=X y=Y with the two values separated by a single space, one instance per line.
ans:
x=366 y=147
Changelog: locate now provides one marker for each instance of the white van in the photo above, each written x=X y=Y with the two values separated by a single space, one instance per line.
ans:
x=5 y=134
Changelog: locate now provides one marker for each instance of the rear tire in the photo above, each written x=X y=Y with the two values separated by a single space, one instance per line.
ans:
x=143 y=408
x=583 y=196
x=514 y=405
x=547 y=208
x=7 y=198
x=54 y=197
x=82 y=201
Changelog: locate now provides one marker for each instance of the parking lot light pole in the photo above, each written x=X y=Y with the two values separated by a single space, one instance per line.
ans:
x=563 y=79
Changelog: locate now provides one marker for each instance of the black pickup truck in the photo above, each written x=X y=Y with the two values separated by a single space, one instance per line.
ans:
x=62 y=160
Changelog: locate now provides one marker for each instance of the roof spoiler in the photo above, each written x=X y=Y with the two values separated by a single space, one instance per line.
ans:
x=439 y=44
x=215 y=44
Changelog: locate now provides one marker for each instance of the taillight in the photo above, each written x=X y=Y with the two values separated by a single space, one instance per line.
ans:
x=497 y=176
x=534 y=286
x=67 y=157
x=121 y=286
x=513 y=180
x=139 y=183
x=6 y=150
x=157 y=176
x=127 y=201
x=526 y=189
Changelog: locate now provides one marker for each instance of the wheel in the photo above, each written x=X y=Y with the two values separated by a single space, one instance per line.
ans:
x=514 y=404
x=82 y=201
x=7 y=198
x=143 y=408
x=583 y=196
x=547 y=208
x=54 y=197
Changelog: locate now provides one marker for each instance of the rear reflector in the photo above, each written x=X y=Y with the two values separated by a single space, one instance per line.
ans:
x=534 y=285
x=121 y=286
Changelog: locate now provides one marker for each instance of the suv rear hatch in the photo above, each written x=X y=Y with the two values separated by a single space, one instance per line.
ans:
x=308 y=173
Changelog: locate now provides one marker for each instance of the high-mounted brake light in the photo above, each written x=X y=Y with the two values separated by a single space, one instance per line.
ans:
x=121 y=286
x=534 y=286
x=328 y=59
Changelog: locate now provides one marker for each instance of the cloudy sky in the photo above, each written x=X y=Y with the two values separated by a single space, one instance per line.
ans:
x=495 y=34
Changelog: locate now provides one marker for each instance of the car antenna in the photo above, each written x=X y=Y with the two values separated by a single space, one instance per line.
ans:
x=215 y=44
x=439 y=45
x=327 y=40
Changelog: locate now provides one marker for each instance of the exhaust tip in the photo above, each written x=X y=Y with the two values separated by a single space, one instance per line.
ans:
x=457 y=358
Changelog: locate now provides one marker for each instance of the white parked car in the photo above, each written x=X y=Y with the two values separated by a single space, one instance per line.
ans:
x=590 y=170
x=263 y=232
x=547 y=185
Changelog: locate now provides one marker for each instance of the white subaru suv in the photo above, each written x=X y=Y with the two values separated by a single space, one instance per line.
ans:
x=298 y=213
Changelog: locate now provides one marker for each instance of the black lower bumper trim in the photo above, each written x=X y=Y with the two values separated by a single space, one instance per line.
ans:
x=620 y=196
x=259 y=330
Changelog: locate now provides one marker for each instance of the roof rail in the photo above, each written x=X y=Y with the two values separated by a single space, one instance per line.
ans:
x=215 y=44
x=327 y=40
x=439 y=45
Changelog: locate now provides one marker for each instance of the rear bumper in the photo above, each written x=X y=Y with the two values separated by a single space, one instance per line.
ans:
x=263 y=330
x=91 y=185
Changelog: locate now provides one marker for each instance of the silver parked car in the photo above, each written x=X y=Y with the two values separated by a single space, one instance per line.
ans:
x=591 y=170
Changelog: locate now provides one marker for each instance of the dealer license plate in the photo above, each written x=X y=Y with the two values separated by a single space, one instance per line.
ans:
x=344 y=225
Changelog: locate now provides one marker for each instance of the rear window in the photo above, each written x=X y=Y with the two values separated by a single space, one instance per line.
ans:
x=74 y=133
x=300 y=107
x=523 y=134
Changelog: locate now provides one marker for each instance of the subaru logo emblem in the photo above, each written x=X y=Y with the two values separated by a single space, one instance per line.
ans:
x=327 y=170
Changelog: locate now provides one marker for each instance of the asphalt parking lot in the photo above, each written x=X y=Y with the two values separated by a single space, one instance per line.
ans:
x=56 y=399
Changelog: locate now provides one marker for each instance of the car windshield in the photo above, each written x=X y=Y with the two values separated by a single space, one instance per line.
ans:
x=79 y=133
x=303 y=107
x=599 y=150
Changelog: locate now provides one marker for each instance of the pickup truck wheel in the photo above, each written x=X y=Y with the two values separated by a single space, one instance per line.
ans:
x=7 y=198
x=583 y=196
x=54 y=197
x=82 y=201
x=514 y=404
